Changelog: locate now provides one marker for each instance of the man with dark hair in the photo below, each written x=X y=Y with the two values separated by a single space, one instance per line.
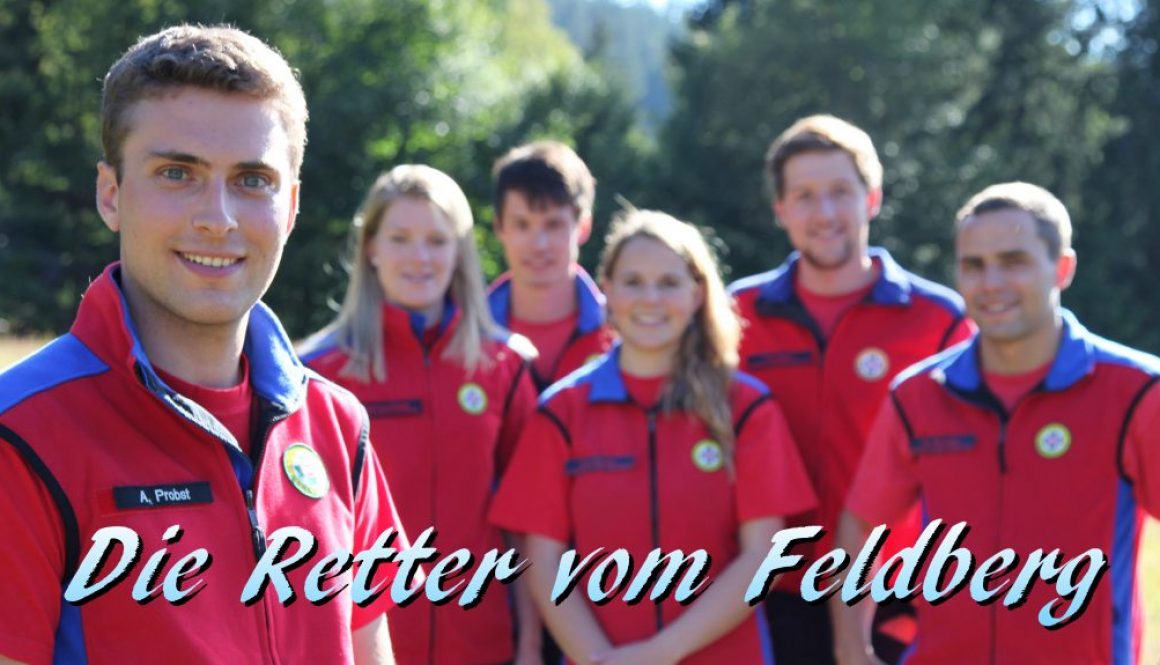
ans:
x=1038 y=434
x=543 y=213
x=175 y=408
x=827 y=331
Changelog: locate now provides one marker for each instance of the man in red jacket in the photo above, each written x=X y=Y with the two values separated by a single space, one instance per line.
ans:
x=175 y=409
x=827 y=331
x=543 y=213
x=1038 y=434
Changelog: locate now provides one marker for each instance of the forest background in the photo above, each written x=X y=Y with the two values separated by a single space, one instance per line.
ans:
x=672 y=110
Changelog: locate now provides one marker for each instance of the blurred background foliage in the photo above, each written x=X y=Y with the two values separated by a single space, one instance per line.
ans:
x=671 y=110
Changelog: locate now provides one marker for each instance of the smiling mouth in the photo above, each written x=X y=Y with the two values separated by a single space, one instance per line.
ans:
x=996 y=309
x=210 y=261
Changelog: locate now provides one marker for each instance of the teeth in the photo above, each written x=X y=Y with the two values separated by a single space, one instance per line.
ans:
x=211 y=261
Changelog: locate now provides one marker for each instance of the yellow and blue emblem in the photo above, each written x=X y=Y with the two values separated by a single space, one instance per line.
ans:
x=1053 y=441
x=472 y=399
x=305 y=470
x=708 y=456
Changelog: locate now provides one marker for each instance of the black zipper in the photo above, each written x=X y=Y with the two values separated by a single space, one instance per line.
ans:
x=266 y=416
x=654 y=493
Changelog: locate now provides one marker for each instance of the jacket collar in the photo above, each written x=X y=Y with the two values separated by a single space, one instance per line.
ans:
x=606 y=379
x=893 y=286
x=1075 y=359
x=405 y=327
x=589 y=301
x=104 y=325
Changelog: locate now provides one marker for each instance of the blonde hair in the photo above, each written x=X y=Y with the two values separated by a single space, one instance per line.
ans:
x=358 y=328
x=707 y=355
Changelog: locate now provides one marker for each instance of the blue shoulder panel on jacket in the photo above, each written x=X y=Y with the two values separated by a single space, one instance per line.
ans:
x=62 y=360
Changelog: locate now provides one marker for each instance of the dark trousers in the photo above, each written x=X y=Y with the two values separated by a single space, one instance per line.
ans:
x=802 y=634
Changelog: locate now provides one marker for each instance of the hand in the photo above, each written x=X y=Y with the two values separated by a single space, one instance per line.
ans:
x=857 y=656
x=528 y=656
x=647 y=652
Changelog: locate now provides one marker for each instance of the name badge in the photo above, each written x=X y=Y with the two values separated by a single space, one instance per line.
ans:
x=395 y=408
x=162 y=496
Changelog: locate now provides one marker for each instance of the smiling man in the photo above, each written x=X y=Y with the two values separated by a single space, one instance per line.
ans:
x=175 y=382
x=1038 y=434
x=543 y=213
x=827 y=331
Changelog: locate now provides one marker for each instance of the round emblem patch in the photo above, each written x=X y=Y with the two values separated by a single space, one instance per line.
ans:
x=305 y=470
x=707 y=456
x=871 y=364
x=1053 y=441
x=472 y=398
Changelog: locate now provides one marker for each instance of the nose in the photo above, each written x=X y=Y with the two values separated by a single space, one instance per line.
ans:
x=541 y=239
x=992 y=276
x=650 y=293
x=215 y=213
x=826 y=206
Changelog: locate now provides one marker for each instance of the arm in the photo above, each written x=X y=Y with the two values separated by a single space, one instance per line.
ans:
x=571 y=622
x=529 y=626
x=32 y=563
x=885 y=486
x=519 y=406
x=372 y=643
x=717 y=611
x=1141 y=456
x=960 y=331
x=852 y=625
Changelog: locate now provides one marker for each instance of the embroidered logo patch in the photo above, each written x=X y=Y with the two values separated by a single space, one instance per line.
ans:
x=871 y=364
x=707 y=456
x=472 y=398
x=1053 y=441
x=305 y=470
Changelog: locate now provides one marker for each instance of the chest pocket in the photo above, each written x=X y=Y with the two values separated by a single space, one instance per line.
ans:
x=942 y=444
x=775 y=359
x=599 y=463
x=395 y=408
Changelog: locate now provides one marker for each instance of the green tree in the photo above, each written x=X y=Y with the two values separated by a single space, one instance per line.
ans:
x=956 y=95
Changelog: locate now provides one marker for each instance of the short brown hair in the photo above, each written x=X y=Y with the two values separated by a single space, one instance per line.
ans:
x=1052 y=223
x=218 y=58
x=545 y=171
x=822 y=133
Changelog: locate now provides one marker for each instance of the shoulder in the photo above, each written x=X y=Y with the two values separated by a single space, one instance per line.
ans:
x=748 y=387
x=321 y=348
x=932 y=368
x=572 y=386
x=64 y=360
x=1113 y=353
x=926 y=291
x=750 y=287
x=328 y=399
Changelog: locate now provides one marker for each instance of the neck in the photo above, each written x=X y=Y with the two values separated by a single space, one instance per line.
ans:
x=205 y=356
x=543 y=304
x=848 y=278
x=646 y=363
x=1021 y=355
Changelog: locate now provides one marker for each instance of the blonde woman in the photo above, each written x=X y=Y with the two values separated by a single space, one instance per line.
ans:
x=447 y=394
x=660 y=444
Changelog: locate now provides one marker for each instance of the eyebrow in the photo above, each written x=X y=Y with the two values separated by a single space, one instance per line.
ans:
x=186 y=158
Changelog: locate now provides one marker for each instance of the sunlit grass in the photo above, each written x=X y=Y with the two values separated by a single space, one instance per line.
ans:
x=13 y=349
x=1149 y=572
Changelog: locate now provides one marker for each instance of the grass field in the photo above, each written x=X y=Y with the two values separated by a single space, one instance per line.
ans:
x=12 y=349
